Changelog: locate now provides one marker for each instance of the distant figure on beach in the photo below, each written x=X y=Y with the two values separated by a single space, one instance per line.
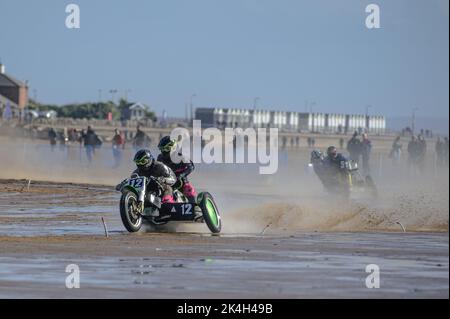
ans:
x=366 y=150
x=91 y=142
x=416 y=154
x=140 y=140
x=52 y=138
x=446 y=150
x=354 y=147
x=396 y=151
x=422 y=152
x=118 y=144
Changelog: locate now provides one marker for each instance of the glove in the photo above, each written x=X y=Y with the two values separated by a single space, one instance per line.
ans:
x=120 y=185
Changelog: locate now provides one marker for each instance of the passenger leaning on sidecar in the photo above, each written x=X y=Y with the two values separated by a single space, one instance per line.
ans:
x=182 y=169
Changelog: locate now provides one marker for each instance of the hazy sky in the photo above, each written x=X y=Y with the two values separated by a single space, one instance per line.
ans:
x=230 y=51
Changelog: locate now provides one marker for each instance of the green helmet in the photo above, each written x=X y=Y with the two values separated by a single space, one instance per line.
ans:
x=166 y=144
x=143 y=158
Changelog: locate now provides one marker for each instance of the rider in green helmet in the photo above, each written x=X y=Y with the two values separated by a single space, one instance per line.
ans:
x=147 y=166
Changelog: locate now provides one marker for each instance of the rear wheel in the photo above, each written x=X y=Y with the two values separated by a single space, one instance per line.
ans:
x=131 y=218
x=210 y=213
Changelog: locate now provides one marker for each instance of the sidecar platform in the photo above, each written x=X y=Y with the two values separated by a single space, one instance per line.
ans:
x=177 y=211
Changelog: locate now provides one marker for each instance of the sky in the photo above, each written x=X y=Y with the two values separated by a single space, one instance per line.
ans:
x=227 y=52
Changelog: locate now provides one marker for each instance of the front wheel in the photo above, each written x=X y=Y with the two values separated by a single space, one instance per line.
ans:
x=131 y=218
x=210 y=213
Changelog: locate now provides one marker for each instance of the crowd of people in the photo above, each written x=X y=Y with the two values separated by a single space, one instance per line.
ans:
x=360 y=150
x=441 y=149
x=91 y=141
x=417 y=151
x=359 y=146
x=335 y=169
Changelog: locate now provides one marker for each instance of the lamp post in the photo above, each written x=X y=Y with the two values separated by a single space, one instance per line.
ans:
x=127 y=91
x=255 y=102
x=113 y=92
x=311 y=105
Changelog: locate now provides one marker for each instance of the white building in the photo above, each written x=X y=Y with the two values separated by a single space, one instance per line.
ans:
x=279 y=119
x=377 y=124
x=316 y=122
x=336 y=123
x=291 y=121
x=356 y=122
x=260 y=118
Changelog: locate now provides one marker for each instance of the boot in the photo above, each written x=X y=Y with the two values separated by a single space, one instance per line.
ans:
x=168 y=199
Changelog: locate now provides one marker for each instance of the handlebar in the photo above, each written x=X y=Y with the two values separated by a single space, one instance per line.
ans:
x=154 y=179
x=150 y=178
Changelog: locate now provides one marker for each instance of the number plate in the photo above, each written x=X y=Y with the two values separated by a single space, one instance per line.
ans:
x=136 y=183
x=179 y=211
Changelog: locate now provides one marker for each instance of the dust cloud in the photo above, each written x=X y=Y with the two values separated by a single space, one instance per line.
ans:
x=290 y=200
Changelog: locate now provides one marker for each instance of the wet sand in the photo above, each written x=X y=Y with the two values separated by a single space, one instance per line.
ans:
x=185 y=265
x=51 y=225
